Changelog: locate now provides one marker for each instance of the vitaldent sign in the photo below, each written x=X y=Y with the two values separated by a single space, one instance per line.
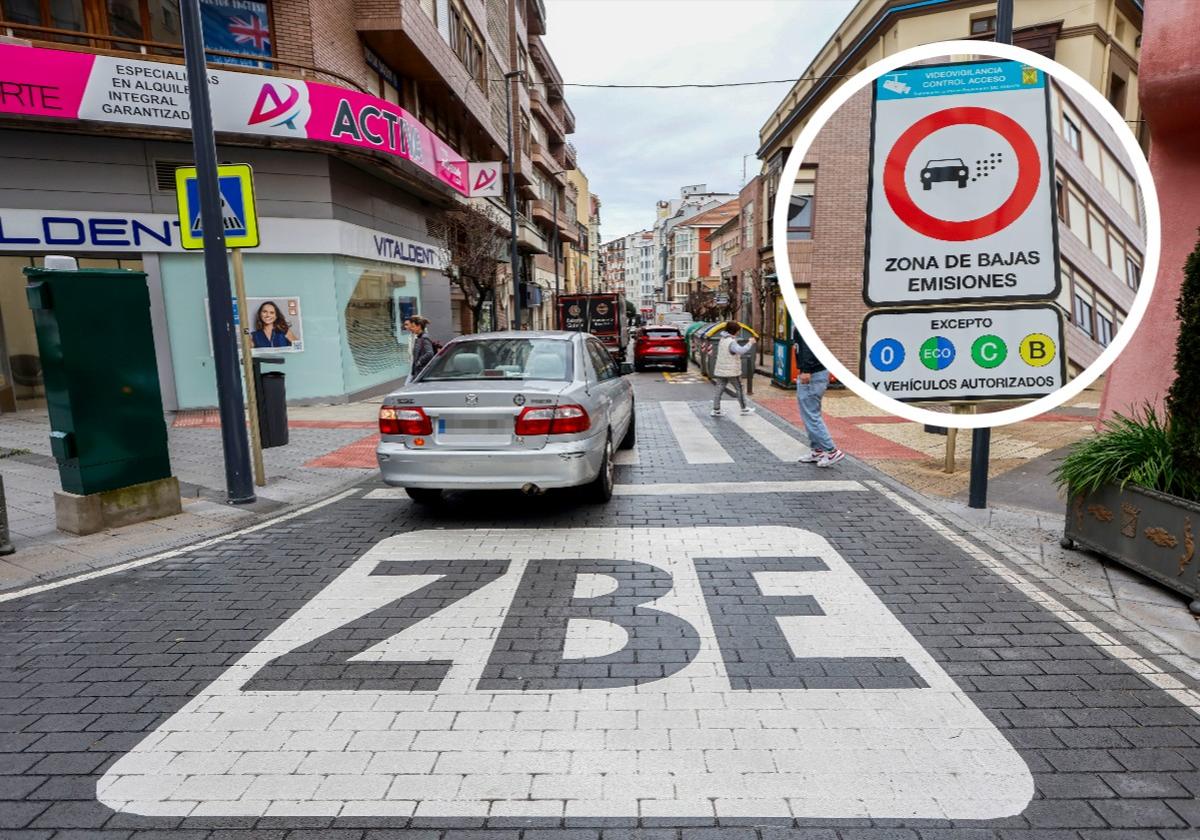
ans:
x=72 y=231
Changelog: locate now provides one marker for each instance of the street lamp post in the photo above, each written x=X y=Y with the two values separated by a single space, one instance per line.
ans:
x=512 y=200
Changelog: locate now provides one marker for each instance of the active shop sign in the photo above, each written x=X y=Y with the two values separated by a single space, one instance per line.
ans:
x=961 y=195
x=940 y=353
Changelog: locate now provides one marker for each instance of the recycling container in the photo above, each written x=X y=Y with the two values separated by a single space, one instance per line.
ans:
x=100 y=376
x=272 y=403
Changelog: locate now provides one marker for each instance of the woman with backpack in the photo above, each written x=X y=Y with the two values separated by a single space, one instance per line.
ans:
x=424 y=348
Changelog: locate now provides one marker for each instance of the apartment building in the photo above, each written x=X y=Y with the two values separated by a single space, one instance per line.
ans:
x=582 y=255
x=1098 y=207
x=693 y=200
x=613 y=258
x=359 y=117
x=691 y=251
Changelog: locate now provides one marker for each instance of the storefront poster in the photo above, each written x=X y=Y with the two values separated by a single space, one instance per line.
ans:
x=81 y=86
x=241 y=26
x=275 y=324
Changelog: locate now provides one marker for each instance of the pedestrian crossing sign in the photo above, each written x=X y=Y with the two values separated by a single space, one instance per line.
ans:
x=238 y=216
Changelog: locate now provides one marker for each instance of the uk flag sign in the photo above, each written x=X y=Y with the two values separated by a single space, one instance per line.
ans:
x=237 y=26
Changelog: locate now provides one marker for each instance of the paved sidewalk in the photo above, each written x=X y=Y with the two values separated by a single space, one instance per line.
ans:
x=1026 y=534
x=296 y=474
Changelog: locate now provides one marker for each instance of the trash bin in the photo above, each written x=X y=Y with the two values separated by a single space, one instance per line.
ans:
x=272 y=403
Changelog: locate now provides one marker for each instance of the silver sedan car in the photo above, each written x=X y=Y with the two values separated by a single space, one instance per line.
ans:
x=524 y=411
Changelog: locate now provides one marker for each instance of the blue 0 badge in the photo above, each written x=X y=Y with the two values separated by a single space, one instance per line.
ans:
x=887 y=354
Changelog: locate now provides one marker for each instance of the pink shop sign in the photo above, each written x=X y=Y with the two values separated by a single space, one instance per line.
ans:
x=42 y=83
x=81 y=86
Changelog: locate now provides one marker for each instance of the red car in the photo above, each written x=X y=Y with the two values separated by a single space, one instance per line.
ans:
x=657 y=346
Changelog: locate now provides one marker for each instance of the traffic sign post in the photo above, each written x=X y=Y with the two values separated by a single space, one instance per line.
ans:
x=238 y=228
x=216 y=270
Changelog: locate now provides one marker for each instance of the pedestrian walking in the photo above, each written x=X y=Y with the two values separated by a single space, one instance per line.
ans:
x=727 y=367
x=811 y=381
x=424 y=347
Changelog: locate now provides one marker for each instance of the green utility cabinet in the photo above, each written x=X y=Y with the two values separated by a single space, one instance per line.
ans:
x=101 y=378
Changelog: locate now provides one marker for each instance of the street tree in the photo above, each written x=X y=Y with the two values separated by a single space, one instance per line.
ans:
x=473 y=237
x=761 y=286
x=1183 y=399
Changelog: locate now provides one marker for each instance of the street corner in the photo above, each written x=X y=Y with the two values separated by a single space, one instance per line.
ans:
x=635 y=672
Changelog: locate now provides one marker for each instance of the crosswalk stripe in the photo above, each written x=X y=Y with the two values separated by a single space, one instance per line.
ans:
x=627 y=457
x=738 y=487
x=697 y=442
x=774 y=439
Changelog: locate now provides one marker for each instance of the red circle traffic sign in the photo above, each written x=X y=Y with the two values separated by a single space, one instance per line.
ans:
x=1028 y=175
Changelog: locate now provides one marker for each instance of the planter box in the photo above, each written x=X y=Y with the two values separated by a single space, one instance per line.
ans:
x=1144 y=530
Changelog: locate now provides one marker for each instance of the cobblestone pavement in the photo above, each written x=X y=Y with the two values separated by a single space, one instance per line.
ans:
x=735 y=647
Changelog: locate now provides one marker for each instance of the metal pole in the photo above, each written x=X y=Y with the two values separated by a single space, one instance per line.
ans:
x=556 y=247
x=981 y=439
x=1004 y=21
x=512 y=202
x=981 y=442
x=6 y=546
x=238 y=482
x=239 y=284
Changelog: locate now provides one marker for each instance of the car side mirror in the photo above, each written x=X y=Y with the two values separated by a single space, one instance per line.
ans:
x=626 y=368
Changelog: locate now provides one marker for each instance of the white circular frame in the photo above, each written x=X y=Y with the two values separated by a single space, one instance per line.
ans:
x=1070 y=79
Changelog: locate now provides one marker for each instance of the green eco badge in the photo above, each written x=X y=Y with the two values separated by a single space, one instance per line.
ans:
x=989 y=351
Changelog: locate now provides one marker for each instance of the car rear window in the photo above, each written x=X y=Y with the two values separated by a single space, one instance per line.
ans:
x=661 y=333
x=507 y=358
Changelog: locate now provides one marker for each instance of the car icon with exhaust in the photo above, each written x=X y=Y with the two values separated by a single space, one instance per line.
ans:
x=947 y=169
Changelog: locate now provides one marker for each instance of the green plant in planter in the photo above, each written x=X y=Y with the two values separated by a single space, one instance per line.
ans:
x=1148 y=450
x=1183 y=400
x=1130 y=450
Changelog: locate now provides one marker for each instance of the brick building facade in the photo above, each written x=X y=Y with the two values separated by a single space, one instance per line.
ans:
x=347 y=225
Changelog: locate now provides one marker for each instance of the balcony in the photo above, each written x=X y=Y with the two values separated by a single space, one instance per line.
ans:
x=540 y=56
x=566 y=156
x=529 y=238
x=543 y=159
x=408 y=40
x=542 y=110
x=543 y=211
x=565 y=115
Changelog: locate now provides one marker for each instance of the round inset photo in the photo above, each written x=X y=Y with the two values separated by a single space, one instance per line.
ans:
x=971 y=234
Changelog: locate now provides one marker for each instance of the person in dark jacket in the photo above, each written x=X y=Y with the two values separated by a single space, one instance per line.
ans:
x=423 y=349
x=811 y=381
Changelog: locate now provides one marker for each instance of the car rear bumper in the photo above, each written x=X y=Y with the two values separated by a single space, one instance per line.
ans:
x=659 y=358
x=567 y=464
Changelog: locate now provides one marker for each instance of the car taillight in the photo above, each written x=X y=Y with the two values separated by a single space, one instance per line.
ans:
x=394 y=420
x=562 y=420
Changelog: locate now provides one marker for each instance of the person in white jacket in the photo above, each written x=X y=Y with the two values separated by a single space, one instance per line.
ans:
x=727 y=367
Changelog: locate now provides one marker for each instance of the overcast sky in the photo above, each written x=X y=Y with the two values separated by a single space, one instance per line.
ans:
x=639 y=146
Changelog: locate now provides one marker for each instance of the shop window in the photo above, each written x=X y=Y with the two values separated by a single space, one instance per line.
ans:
x=1083 y=314
x=1133 y=272
x=800 y=208
x=55 y=14
x=985 y=25
x=164 y=22
x=1104 y=329
x=125 y=18
x=1099 y=237
x=374 y=315
x=1071 y=133
x=1116 y=93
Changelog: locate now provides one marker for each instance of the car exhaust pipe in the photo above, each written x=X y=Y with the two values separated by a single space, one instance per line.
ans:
x=532 y=489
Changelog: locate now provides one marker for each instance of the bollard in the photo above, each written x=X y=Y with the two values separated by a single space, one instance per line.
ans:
x=6 y=546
